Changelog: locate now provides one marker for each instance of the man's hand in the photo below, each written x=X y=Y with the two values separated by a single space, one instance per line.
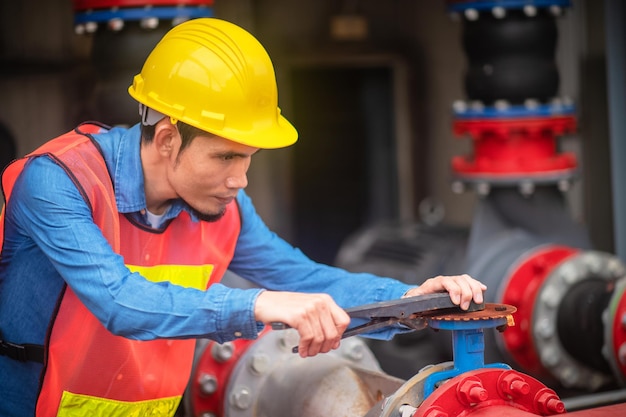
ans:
x=320 y=322
x=462 y=289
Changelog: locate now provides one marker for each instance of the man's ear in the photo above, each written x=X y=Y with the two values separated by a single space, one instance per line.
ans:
x=166 y=137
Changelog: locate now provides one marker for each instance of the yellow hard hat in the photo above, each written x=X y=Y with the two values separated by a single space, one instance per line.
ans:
x=214 y=75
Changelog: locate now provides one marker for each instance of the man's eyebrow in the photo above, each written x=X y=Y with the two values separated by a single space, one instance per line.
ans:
x=233 y=154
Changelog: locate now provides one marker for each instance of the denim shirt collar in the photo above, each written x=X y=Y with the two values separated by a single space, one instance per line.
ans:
x=124 y=160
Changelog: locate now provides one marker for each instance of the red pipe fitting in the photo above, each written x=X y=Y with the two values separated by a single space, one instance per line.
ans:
x=515 y=147
x=548 y=403
x=617 y=343
x=211 y=372
x=471 y=391
x=511 y=385
x=480 y=392
x=435 y=412
x=520 y=289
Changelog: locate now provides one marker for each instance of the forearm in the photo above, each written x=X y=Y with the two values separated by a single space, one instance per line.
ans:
x=267 y=260
x=49 y=210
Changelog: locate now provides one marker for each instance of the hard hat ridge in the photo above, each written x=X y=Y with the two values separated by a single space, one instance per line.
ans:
x=217 y=77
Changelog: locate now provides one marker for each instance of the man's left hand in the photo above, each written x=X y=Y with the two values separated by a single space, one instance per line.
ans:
x=462 y=289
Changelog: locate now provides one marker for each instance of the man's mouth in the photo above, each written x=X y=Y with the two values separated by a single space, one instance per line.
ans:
x=225 y=200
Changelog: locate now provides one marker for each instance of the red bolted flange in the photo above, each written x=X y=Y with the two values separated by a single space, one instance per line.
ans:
x=521 y=289
x=482 y=391
x=515 y=147
x=212 y=370
x=617 y=310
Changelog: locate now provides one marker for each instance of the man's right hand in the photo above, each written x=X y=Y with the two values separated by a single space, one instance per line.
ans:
x=320 y=322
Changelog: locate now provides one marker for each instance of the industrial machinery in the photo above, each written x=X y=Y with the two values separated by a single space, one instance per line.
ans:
x=523 y=242
x=552 y=336
x=266 y=378
x=123 y=32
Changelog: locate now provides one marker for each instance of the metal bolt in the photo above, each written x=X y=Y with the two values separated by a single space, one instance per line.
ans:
x=354 y=350
x=550 y=296
x=513 y=385
x=547 y=402
x=477 y=105
x=116 y=24
x=458 y=187
x=550 y=357
x=435 y=411
x=471 y=14
x=616 y=268
x=222 y=352
x=207 y=414
x=593 y=263
x=407 y=410
x=531 y=103
x=526 y=188
x=569 y=376
x=149 y=23
x=459 y=106
x=557 y=103
x=91 y=27
x=556 y=10
x=208 y=383
x=178 y=20
x=544 y=328
x=530 y=11
x=569 y=273
x=471 y=391
x=288 y=339
x=483 y=188
x=241 y=398
x=498 y=12
x=259 y=363
x=501 y=105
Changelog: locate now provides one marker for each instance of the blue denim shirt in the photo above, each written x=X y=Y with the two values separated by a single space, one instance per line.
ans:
x=50 y=239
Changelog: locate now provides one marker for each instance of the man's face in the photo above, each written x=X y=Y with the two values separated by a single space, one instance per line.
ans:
x=208 y=173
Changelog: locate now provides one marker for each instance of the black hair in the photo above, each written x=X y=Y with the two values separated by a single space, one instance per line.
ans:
x=187 y=133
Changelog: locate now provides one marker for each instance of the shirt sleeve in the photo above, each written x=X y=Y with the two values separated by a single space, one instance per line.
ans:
x=49 y=209
x=270 y=262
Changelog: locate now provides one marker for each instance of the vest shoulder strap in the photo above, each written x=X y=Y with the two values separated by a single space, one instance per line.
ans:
x=85 y=169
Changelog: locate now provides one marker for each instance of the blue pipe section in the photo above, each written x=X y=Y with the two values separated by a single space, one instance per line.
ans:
x=130 y=14
x=516 y=111
x=468 y=347
x=506 y=4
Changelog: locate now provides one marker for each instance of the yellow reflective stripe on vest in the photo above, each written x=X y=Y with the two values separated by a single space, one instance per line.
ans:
x=77 y=405
x=190 y=276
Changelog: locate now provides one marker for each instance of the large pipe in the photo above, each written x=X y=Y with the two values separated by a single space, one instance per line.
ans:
x=123 y=33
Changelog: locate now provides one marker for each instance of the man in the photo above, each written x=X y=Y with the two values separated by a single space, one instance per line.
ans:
x=114 y=241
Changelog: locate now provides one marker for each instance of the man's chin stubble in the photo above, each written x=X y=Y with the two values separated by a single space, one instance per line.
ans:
x=208 y=217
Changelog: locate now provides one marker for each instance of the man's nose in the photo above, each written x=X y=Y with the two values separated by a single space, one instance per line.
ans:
x=238 y=181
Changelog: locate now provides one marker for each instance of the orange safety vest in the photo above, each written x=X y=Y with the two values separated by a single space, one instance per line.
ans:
x=88 y=371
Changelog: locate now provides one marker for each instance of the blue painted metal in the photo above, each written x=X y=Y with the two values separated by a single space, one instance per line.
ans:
x=131 y=14
x=506 y=4
x=468 y=347
x=516 y=111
